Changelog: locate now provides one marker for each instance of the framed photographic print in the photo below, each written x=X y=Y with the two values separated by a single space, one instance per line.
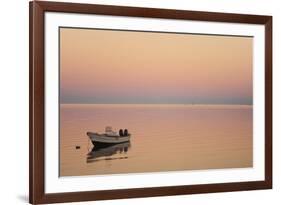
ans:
x=138 y=102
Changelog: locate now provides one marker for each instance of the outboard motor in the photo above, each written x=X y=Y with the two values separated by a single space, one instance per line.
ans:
x=121 y=132
x=126 y=132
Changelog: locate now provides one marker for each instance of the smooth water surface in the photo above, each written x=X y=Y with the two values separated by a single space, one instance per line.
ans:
x=164 y=138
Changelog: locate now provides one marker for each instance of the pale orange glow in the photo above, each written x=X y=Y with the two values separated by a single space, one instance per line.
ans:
x=165 y=137
x=148 y=67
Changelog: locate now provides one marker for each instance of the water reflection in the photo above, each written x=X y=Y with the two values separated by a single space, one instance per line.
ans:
x=165 y=138
x=111 y=152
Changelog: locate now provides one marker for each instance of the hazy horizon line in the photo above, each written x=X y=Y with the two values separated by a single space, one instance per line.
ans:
x=153 y=104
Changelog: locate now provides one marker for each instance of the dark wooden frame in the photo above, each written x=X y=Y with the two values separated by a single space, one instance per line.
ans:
x=37 y=194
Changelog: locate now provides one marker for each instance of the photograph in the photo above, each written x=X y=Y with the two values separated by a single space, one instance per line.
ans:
x=137 y=101
x=130 y=101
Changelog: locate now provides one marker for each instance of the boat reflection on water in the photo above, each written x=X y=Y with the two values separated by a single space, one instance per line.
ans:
x=110 y=152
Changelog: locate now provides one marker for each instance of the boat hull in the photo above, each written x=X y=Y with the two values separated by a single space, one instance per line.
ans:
x=104 y=145
x=103 y=140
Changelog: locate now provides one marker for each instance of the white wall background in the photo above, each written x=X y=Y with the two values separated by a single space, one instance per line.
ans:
x=14 y=100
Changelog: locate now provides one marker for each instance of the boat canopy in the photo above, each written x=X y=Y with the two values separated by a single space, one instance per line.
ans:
x=108 y=129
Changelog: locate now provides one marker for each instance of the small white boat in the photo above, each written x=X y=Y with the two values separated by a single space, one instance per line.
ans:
x=109 y=137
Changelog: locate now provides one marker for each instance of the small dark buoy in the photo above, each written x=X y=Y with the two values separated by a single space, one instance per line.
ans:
x=77 y=147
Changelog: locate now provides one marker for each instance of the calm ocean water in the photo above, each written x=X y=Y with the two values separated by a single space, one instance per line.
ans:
x=164 y=138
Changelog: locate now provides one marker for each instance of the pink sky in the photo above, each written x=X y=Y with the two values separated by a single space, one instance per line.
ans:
x=103 y=66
